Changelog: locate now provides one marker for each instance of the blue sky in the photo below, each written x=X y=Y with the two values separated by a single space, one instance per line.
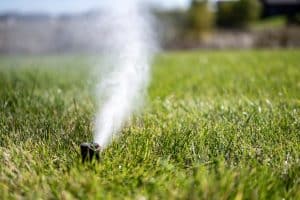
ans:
x=71 y=6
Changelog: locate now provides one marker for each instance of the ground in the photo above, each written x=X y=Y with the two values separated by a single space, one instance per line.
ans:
x=216 y=125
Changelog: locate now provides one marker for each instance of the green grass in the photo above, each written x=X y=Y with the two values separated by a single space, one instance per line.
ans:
x=270 y=23
x=217 y=125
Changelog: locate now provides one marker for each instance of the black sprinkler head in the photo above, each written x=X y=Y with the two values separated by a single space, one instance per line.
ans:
x=89 y=152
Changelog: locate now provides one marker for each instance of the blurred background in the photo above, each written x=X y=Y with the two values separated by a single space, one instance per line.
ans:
x=72 y=26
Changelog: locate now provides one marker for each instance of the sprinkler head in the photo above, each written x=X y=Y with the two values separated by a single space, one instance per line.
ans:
x=90 y=151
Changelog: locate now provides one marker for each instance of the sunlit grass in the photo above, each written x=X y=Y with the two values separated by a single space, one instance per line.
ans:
x=216 y=125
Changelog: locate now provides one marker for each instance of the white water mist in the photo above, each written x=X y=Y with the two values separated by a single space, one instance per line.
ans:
x=128 y=45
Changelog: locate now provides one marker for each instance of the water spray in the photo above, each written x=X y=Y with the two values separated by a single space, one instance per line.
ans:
x=128 y=46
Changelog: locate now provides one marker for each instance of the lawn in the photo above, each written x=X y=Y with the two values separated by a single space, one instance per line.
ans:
x=216 y=125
